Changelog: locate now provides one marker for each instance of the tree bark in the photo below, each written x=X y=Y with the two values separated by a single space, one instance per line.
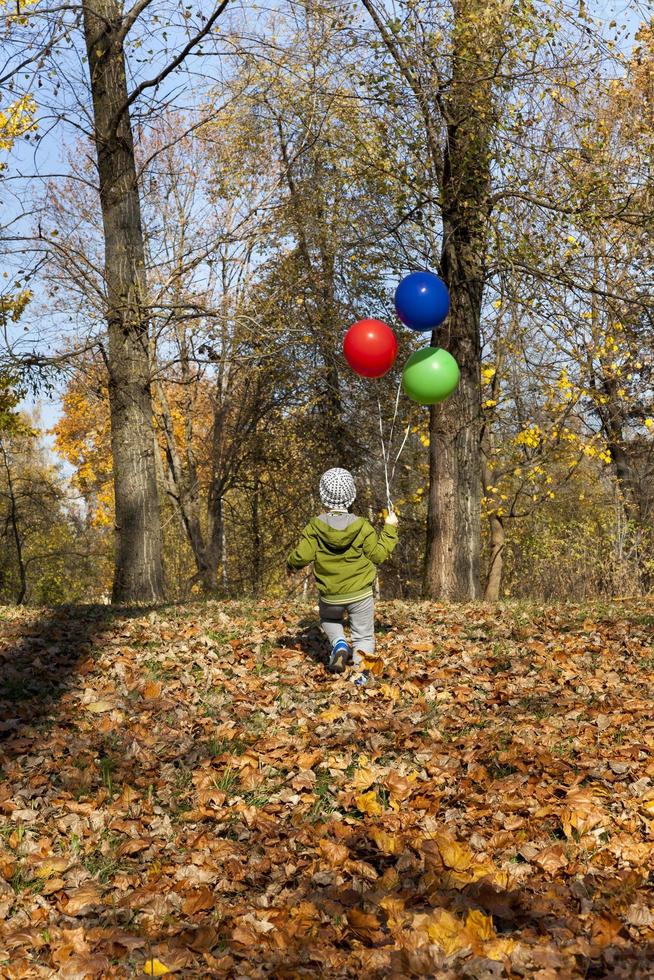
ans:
x=633 y=500
x=138 y=574
x=496 y=560
x=453 y=517
x=13 y=520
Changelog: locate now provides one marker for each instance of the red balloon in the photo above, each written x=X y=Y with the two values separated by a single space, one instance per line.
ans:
x=370 y=348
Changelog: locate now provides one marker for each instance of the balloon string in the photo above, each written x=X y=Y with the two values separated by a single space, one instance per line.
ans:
x=384 y=456
x=386 y=447
x=406 y=436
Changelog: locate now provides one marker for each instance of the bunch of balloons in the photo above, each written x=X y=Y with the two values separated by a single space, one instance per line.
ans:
x=422 y=302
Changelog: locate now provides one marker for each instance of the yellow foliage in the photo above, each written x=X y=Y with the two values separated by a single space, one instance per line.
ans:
x=530 y=437
x=16 y=120
x=368 y=803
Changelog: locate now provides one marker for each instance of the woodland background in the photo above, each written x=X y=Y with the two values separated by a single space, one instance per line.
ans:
x=268 y=177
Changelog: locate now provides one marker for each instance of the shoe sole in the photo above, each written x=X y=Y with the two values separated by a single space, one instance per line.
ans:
x=339 y=662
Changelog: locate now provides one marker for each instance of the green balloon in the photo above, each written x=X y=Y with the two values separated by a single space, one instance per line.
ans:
x=430 y=375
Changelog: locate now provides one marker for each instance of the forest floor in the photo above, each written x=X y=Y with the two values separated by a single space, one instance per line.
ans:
x=186 y=790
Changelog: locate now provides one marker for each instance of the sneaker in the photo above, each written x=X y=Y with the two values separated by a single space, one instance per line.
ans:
x=339 y=657
x=365 y=678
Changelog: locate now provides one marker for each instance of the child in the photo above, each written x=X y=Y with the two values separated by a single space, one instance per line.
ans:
x=345 y=551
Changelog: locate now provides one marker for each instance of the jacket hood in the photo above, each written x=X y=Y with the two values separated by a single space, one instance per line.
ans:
x=339 y=534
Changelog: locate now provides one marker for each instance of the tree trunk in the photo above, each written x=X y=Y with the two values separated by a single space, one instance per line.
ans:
x=496 y=560
x=257 y=543
x=138 y=574
x=453 y=510
x=453 y=517
x=13 y=519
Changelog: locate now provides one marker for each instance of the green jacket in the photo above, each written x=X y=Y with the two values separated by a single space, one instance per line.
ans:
x=344 y=558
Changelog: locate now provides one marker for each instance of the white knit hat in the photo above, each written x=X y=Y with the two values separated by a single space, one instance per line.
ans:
x=337 y=488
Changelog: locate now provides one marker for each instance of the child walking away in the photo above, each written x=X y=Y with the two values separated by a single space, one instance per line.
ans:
x=345 y=551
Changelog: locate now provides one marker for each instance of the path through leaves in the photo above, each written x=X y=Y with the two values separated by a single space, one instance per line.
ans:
x=186 y=791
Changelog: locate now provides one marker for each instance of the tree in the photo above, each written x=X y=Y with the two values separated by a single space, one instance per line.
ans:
x=139 y=568
x=455 y=104
x=572 y=233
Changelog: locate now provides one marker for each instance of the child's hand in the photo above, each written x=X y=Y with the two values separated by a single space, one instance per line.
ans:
x=391 y=519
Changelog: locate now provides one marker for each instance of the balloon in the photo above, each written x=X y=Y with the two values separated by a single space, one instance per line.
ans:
x=370 y=348
x=430 y=375
x=422 y=301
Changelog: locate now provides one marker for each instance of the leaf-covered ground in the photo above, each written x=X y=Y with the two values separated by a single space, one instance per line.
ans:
x=187 y=789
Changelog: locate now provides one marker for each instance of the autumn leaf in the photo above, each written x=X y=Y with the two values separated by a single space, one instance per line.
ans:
x=331 y=714
x=605 y=931
x=444 y=851
x=552 y=859
x=400 y=787
x=363 y=778
x=582 y=813
x=198 y=901
x=155 y=968
x=447 y=931
x=81 y=900
x=479 y=926
x=387 y=843
x=365 y=924
x=98 y=707
x=51 y=866
x=335 y=854
x=368 y=803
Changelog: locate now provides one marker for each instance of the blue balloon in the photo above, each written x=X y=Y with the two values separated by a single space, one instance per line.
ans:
x=422 y=301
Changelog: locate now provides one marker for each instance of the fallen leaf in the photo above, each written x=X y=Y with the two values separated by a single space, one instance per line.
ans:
x=552 y=859
x=400 y=787
x=335 y=854
x=81 y=900
x=387 y=843
x=605 y=931
x=51 y=866
x=368 y=803
x=582 y=813
x=198 y=901
x=447 y=931
x=152 y=690
x=331 y=714
x=155 y=968
x=97 y=707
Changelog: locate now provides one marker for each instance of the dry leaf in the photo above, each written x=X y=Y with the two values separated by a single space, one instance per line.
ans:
x=80 y=901
x=400 y=787
x=97 y=707
x=51 y=866
x=552 y=859
x=368 y=803
x=198 y=901
x=605 y=931
x=582 y=813
x=479 y=926
x=447 y=931
x=363 y=778
x=331 y=714
x=155 y=968
x=387 y=843
x=334 y=854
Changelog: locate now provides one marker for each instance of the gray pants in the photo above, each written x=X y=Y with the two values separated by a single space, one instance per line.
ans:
x=361 y=615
